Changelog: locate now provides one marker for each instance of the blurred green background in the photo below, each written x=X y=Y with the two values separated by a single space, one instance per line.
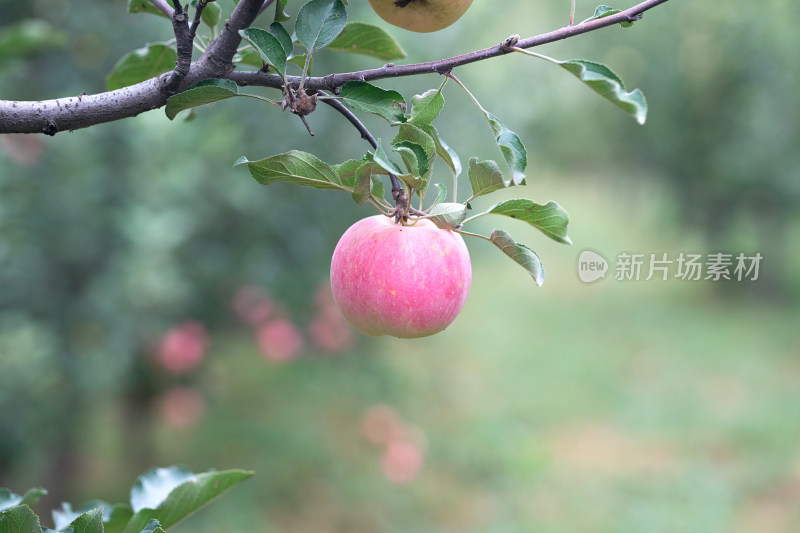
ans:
x=157 y=306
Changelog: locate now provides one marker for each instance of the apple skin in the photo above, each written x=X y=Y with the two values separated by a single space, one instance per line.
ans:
x=422 y=16
x=404 y=281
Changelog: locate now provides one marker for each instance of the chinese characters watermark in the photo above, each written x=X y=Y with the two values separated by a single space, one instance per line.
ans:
x=663 y=266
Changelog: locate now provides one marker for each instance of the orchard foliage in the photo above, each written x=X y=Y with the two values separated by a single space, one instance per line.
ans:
x=159 y=499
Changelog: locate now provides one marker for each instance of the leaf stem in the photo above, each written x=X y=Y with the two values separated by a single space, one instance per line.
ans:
x=468 y=234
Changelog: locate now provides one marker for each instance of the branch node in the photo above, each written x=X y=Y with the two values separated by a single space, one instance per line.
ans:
x=330 y=82
x=506 y=45
x=50 y=128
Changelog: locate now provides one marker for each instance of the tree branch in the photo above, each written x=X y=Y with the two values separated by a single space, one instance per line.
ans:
x=51 y=116
x=163 y=6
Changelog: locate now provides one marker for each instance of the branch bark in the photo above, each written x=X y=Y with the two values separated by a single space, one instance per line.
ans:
x=62 y=114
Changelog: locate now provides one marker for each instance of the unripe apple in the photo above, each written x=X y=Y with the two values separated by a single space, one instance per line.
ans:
x=405 y=281
x=423 y=16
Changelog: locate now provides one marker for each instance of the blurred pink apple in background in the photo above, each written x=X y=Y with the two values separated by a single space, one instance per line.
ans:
x=253 y=305
x=182 y=407
x=279 y=340
x=381 y=425
x=402 y=461
x=182 y=348
x=329 y=331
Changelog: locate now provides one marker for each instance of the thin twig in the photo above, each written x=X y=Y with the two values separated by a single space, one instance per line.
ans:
x=198 y=13
x=264 y=7
x=164 y=6
x=445 y=65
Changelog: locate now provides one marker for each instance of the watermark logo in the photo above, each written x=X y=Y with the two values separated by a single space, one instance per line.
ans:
x=591 y=266
x=632 y=266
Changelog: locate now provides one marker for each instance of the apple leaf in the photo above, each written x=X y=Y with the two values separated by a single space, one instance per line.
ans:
x=269 y=47
x=19 y=519
x=141 y=65
x=201 y=93
x=279 y=32
x=280 y=14
x=145 y=6
x=368 y=40
x=362 y=185
x=118 y=517
x=153 y=487
x=153 y=526
x=604 y=11
x=447 y=215
x=300 y=168
x=184 y=499
x=416 y=163
x=510 y=146
x=426 y=107
x=319 y=22
x=608 y=85
x=88 y=522
x=486 y=177
x=384 y=162
x=520 y=253
x=441 y=194
x=9 y=499
x=211 y=15
x=445 y=153
x=412 y=133
x=550 y=219
x=347 y=171
x=363 y=96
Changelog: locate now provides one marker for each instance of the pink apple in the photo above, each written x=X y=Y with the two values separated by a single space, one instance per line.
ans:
x=402 y=461
x=182 y=348
x=279 y=340
x=405 y=281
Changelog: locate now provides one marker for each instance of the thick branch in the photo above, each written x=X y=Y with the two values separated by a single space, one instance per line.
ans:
x=51 y=116
x=221 y=51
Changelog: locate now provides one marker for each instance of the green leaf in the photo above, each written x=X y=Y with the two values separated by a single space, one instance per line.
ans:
x=249 y=56
x=145 y=6
x=550 y=219
x=211 y=15
x=28 y=36
x=363 y=96
x=116 y=520
x=608 y=85
x=368 y=40
x=416 y=163
x=141 y=65
x=280 y=13
x=19 y=519
x=154 y=526
x=201 y=93
x=384 y=162
x=485 y=177
x=300 y=61
x=445 y=153
x=362 y=185
x=520 y=253
x=511 y=147
x=296 y=167
x=153 y=487
x=32 y=497
x=88 y=522
x=280 y=33
x=447 y=215
x=319 y=22
x=414 y=134
x=604 y=11
x=441 y=194
x=270 y=49
x=347 y=171
x=426 y=107
x=185 y=499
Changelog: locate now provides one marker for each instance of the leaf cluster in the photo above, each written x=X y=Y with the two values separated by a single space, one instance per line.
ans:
x=159 y=499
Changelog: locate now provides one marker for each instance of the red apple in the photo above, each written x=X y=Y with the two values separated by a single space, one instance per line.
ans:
x=405 y=281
